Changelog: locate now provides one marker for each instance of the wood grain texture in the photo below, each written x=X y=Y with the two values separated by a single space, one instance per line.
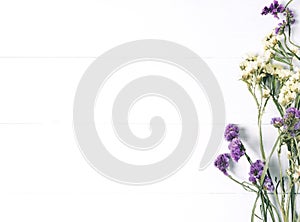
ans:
x=45 y=47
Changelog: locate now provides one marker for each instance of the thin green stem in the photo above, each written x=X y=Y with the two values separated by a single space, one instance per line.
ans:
x=276 y=211
x=295 y=212
x=281 y=186
x=278 y=106
x=269 y=206
x=254 y=96
x=290 y=41
x=292 y=200
x=288 y=48
x=288 y=3
x=265 y=216
x=261 y=146
x=268 y=160
x=278 y=202
x=246 y=187
x=248 y=158
x=254 y=207
x=261 y=110
x=289 y=200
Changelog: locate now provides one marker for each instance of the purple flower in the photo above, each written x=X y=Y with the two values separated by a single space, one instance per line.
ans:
x=265 y=11
x=289 y=14
x=274 y=9
x=256 y=170
x=277 y=122
x=292 y=112
x=297 y=114
x=231 y=131
x=290 y=122
x=268 y=184
x=297 y=126
x=236 y=148
x=222 y=162
x=280 y=28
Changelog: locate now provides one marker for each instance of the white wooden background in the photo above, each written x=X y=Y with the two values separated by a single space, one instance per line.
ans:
x=45 y=47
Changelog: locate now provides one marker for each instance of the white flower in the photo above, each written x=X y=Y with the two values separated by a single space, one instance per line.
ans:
x=251 y=57
x=277 y=69
x=297 y=87
x=284 y=74
x=252 y=66
x=296 y=174
x=286 y=96
x=266 y=93
x=268 y=54
x=295 y=49
x=246 y=75
x=269 y=68
x=295 y=77
x=270 y=41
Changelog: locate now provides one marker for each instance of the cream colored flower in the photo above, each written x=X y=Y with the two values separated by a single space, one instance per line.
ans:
x=296 y=174
x=286 y=97
x=266 y=93
x=289 y=154
x=284 y=74
x=268 y=55
x=270 y=41
x=269 y=68
x=295 y=50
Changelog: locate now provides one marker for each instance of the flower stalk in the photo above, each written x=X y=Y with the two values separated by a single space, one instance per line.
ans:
x=272 y=77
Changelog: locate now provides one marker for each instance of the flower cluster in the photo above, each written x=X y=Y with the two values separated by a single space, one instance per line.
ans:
x=270 y=41
x=289 y=125
x=275 y=9
x=231 y=132
x=222 y=162
x=256 y=170
x=254 y=69
x=235 y=146
x=273 y=71
x=294 y=173
x=290 y=16
x=290 y=20
x=257 y=69
x=290 y=87
x=237 y=150
x=272 y=76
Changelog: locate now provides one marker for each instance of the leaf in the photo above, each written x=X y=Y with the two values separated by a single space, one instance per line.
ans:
x=297 y=101
x=273 y=84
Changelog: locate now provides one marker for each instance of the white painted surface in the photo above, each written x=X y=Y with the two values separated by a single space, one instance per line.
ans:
x=45 y=47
